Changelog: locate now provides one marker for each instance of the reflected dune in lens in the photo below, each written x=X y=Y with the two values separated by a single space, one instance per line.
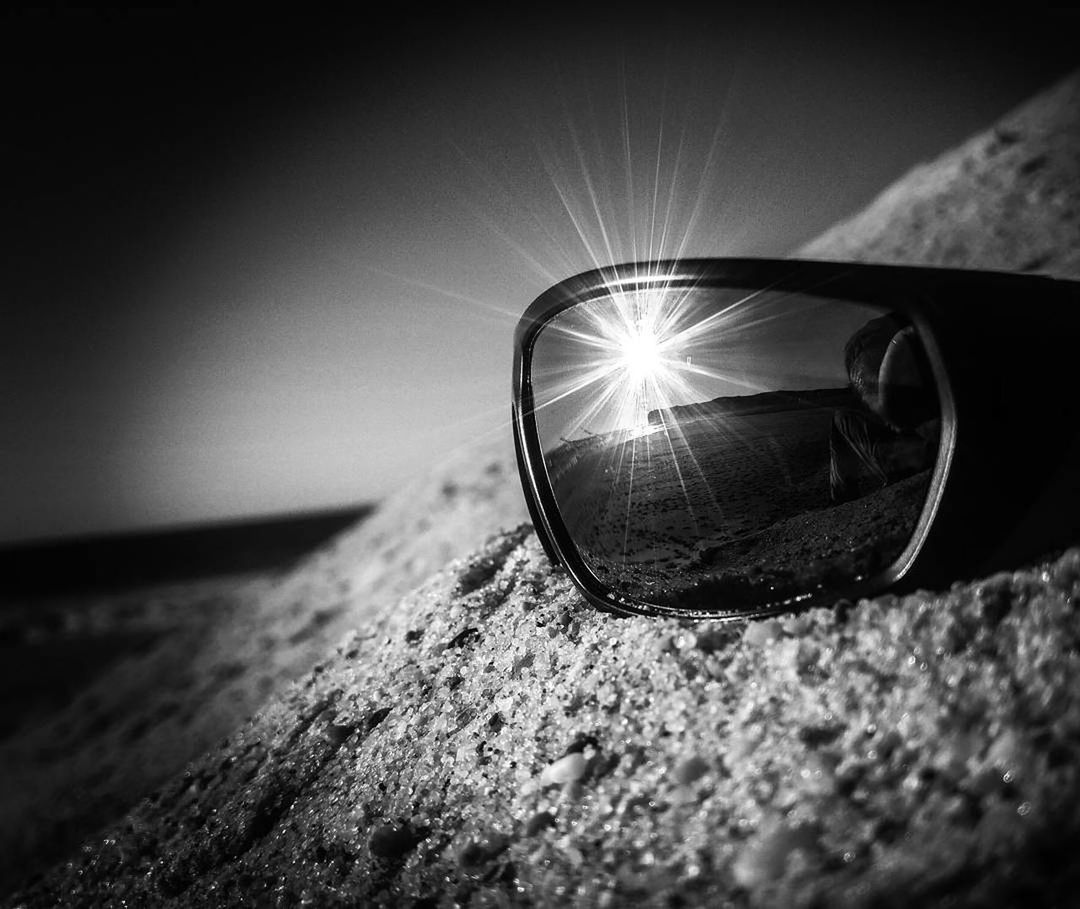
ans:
x=692 y=439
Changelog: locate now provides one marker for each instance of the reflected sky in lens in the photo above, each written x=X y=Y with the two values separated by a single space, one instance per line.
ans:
x=616 y=362
x=258 y=266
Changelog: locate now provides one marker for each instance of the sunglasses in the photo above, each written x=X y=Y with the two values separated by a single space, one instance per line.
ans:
x=734 y=438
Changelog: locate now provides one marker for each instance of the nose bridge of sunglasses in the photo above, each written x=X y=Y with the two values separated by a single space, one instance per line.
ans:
x=730 y=448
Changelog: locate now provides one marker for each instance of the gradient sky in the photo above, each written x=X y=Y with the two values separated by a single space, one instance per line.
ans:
x=258 y=267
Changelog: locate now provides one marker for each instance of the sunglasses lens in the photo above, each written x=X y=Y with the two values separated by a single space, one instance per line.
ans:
x=718 y=448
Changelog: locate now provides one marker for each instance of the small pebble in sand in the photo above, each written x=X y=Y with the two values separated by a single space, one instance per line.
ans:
x=479 y=851
x=765 y=856
x=538 y=822
x=389 y=841
x=690 y=770
x=758 y=633
x=564 y=770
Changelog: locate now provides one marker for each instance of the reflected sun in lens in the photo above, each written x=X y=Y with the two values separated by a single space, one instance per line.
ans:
x=641 y=353
x=639 y=357
x=627 y=359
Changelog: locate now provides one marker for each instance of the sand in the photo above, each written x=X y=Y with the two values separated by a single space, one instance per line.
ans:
x=889 y=753
x=211 y=654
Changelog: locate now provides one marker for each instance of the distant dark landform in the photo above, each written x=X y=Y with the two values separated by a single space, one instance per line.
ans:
x=116 y=562
x=764 y=402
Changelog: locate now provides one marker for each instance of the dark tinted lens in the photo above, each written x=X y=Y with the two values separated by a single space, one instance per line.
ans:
x=723 y=449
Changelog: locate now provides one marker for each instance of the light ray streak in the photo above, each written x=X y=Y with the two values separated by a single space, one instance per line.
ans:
x=722 y=427
x=442 y=291
x=601 y=402
x=706 y=170
x=586 y=176
x=550 y=275
x=549 y=162
x=619 y=391
x=593 y=341
x=627 y=154
x=669 y=205
x=566 y=200
x=656 y=176
x=729 y=377
x=723 y=318
x=678 y=471
x=668 y=320
x=741 y=326
x=616 y=249
x=629 y=498
x=631 y=391
x=592 y=378
x=667 y=432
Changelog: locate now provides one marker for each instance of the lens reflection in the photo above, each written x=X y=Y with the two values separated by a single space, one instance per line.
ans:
x=723 y=449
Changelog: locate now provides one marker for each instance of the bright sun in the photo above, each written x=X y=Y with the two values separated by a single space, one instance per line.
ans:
x=640 y=353
x=640 y=367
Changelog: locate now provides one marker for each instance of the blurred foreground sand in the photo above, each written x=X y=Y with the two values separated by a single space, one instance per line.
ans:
x=211 y=654
x=489 y=738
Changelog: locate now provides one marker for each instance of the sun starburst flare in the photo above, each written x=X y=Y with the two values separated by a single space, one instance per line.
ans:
x=630 y=357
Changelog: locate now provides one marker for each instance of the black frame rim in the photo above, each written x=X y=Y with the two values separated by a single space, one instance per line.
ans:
x=907 y=289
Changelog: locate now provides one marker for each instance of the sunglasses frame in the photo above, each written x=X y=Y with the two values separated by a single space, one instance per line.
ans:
x=930 y=298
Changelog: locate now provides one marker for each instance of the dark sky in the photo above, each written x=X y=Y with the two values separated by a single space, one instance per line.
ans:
x=257 y=266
